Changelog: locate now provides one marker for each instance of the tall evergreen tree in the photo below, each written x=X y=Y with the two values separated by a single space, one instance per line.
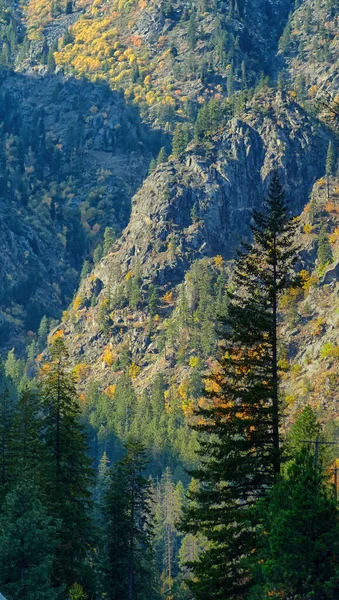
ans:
x=128 y=559
x=7 y=433
x=27 y=446
x=330 y=164
x=240 y=450
x=67 y=476
x=325 y=255
x=28 y=538
x=299 y=556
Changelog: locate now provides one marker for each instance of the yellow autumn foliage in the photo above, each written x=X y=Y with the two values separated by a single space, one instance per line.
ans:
x=108 y=356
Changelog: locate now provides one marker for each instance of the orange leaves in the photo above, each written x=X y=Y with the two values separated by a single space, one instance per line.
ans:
x=211 y=385
x=136 y=41
x=188 y=409
x=110 y=391
x=168 y=298
x=330 y=207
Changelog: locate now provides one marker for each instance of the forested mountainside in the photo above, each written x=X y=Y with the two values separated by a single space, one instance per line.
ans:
x=72 y=154
x=138 y=141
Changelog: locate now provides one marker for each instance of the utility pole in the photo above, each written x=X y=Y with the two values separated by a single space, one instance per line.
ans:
x=336 y=482
x=317 y=443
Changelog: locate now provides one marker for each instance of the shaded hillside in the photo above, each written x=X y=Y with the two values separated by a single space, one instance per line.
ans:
x=64 y=152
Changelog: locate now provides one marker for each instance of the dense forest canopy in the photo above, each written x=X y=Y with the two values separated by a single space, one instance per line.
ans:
x=169 y=233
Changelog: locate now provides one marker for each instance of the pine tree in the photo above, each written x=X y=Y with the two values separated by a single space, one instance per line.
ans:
x=43 y=333
x=162 y=156
x=7 y=433
x=240 y=446
x=181 y=138
x=285 y=39
x=192 y=32
x=299 y=556
x=109 y=239
x=330 y=164
x=28 y=538
x=124 y=402
x=14 y=368
x=325 y=255
x=51 y=61
x=66 y=472
x=152 y=166
x=230 y=83
x=153 y=300
x=128 y=559
x=85 y=270
x=27 y=447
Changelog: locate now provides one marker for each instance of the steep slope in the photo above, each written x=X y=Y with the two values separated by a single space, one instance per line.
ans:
x=71 y=156
x=310 y=45
x=149 y=307
x=310 y=357
x=168 y=57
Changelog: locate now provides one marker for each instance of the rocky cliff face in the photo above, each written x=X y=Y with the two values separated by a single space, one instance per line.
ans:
x=310 y=358
x=185 y=212
x=72 y=155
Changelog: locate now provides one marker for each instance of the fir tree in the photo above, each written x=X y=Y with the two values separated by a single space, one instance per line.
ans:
x=84 y=270
x=109 y=239
x=128 y=560
x=192 y=32
x=152 y=166
x=27 y=447
x=299 y=557
x=162 y=156
x=240 y=447
x=51 y=61
x=7 y=433
x=325 y=256
x=230 y=83
x=43 y=333
x=28 y=538
x=66 y=472
x=153 y=300
x=330 y=164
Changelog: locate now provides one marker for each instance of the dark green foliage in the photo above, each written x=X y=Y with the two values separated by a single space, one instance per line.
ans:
x=28 y=540
x=305 y=429
x=325 y=256
x=162 y=156
x=128 y=555
x=330 y=160
x=50 y=61
x=170 y=500
x=230 y=83
x=192 y=31
x=299 y=556
x=7 y=432
x=153 y=300
x=239 y=451
x=285 y=39
x=43 y=332
x=181 y=138
x=109 y=239
x=27 y=444
x=66 y=474
x=211 y=117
